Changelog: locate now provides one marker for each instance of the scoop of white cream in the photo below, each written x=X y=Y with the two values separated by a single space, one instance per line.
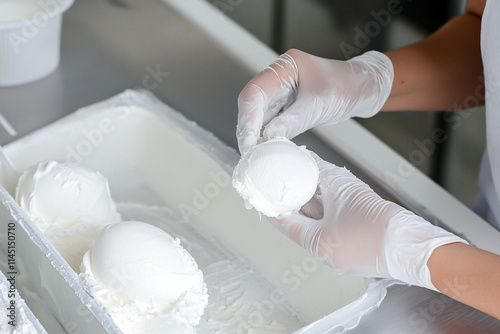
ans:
x=144 y=279
x=276 y=177
x=69 y=203
x=64 y=194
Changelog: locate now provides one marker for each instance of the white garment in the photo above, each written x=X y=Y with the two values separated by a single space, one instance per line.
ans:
x=487 y=203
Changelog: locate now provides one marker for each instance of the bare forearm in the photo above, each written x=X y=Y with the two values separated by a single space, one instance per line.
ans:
x=469 y=275
x=442 y=72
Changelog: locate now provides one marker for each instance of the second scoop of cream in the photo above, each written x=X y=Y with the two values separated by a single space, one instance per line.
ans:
x=144 y=279
x=276 y=177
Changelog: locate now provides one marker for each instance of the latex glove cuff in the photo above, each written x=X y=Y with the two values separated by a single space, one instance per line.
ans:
x=381 y=70
x=410 y=241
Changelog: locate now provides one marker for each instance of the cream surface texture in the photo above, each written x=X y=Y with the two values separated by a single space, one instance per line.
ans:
x=69 y=203
x=144 y=279
x=276 y=177
x=240 y=300
x=20 y=322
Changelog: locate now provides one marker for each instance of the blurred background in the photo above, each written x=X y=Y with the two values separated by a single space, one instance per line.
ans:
x=343 y=29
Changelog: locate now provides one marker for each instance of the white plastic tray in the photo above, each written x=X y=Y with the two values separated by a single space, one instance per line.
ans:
x=169 y=172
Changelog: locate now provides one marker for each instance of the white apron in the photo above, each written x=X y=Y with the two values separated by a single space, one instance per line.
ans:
x=487 y=203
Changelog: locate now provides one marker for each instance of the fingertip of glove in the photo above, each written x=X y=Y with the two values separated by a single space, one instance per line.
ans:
x=277 y=224
x=294 y=217
x=246 y=140
x=274 y=129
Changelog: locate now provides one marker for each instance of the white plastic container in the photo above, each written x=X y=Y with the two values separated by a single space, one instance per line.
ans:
x=30 y=38
x=167 y=171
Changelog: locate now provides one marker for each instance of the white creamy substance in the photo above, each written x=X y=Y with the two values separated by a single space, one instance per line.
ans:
x=250 y=272
x=23 y=323
x=15 y=10
x=276 y=177
x=69 y=203
x=240 y=299
x=144 y=279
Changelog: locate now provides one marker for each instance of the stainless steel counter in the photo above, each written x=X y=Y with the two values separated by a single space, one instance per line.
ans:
x=109 y=46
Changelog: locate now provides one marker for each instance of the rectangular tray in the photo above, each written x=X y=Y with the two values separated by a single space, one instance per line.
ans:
x=169 y=172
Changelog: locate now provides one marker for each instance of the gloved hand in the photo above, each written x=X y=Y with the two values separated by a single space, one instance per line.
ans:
x=310 y=91
x=360 y=233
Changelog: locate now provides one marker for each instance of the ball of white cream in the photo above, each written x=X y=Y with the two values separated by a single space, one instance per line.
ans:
x=64 y=194
x=276 y=177
x=143 y=264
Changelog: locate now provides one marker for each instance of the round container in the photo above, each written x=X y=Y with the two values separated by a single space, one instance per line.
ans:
x=30 y=39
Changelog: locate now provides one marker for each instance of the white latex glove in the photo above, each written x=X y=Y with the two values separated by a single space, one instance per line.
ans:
x=360 y=233
x=300 y=91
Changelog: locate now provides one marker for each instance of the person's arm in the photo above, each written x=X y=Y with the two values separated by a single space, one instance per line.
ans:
x=467 y=274
x=443 y=71
x=300 y=91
